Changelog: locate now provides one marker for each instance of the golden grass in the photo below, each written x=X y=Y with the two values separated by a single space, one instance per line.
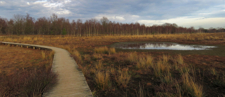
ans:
x=112 y=70
x=104 y=50
x=178 y=89
x=87 y=57
x=213 y=71
x=180 y=59
x=99 y=65
x=43 y=54
x=112 y=51
x=191 y=87
x=77 y=56
x=165 y=59
x=167 y=78
x=96 y=56
x=24 y=72
x=145 y=63
x=159 y=68
x=123 y=78
x=132 y=57
x=101 y=50
x=103 y=80
x=184 y=70
x=89 y=42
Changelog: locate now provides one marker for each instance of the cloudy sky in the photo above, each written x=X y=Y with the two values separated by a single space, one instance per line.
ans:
x=186 y=13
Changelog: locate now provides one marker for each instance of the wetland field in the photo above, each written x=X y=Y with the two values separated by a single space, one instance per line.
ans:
x=112 y=71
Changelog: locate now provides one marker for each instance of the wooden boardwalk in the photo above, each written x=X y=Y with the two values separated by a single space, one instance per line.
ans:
x=70 y=82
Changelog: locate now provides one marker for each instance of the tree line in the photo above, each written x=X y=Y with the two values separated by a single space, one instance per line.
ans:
x=27 y=25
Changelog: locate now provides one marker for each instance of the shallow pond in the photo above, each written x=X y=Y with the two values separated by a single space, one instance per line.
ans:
x=160 y=46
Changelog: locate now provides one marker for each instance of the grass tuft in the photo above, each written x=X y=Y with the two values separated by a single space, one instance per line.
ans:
x=99 y=66
x=144 y=63
x=132 y=57
x=191 y=87
x=159 y=68
x=77 y=56
x=180 y=59
x=167 y=78
x=103 y=80
x=105 y=50
x=43 y=55
x=123 y=78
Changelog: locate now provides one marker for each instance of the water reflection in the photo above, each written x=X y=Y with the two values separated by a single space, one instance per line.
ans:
x=163 y=46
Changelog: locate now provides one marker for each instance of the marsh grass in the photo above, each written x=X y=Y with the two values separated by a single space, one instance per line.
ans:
x=213 y=71
x=99 y=65
x=123 y=78
x=22 y=79
x=86 y=44
x=190 y=87
x=180 y=59
x=96 y=56
x=43 y=55
x=178 y=89
x=159 y=68
x=145 y=62
x=112 y=50
x=105 y=50
x=102 y=80
x=77 y=56
x=112 y=70
x=141 y=92
x=167 y=78
x=132 y=57
x=165 y=59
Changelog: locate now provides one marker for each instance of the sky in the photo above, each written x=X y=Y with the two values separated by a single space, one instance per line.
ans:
x=186 y=13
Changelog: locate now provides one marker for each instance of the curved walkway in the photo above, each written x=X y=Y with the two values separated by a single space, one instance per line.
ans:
x=71 y=82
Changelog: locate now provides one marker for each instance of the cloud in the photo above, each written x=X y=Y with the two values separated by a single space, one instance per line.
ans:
x=2 y=2
x=188 y=22
x=112 y=18
x=182 y=12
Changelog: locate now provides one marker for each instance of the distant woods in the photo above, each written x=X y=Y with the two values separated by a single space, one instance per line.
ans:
x=26 y=25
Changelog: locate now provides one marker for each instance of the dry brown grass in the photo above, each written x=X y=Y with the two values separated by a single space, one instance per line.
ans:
x=96 y=56
x=123 y=78
x=87 y=44
x=165 y=59
x=104 y=50
x=180 y=59
x=132 y=57
x=24 y=72
x=144 y=63
x=103 y=80
x=99 y=65
x=159 y=68
x=43 y=55
x=191 y=87
x=101 y=50
x=213 y=71
x=77 y=56
x=167 y=78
